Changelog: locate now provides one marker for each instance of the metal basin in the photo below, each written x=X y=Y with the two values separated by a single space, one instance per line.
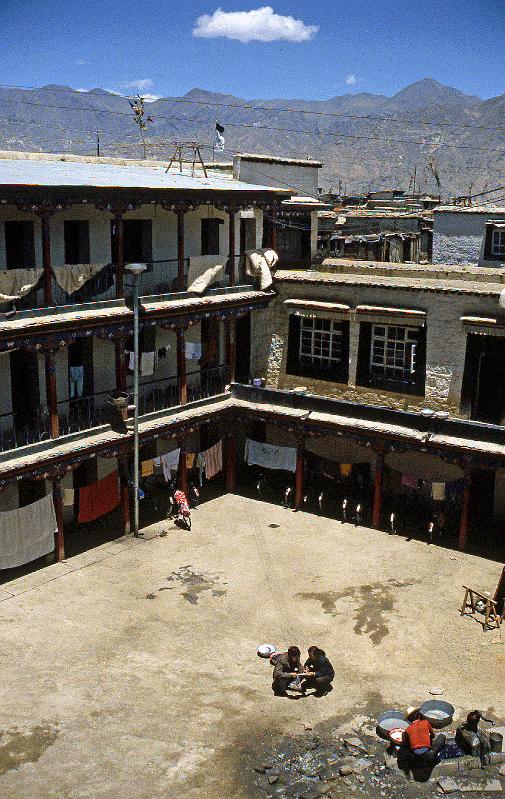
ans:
x=437 y=712
x=391 y=724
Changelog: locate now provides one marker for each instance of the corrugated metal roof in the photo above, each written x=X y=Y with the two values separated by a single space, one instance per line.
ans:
x=73 y=173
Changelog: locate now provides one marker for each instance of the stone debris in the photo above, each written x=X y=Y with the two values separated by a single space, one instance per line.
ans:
x=272 y=778
x=355 y=743
x=436 y=691
x=346 y=770
x=449 y=785
x=307 y=727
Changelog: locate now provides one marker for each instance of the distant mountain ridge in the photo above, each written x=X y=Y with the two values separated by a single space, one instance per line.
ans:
x=365 y=141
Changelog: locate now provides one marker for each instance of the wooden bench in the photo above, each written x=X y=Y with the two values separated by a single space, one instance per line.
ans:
x=490 y=613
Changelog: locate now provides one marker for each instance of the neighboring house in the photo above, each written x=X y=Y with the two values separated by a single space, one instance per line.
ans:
x=459 y=234
x=383 y=235
x=292 y=230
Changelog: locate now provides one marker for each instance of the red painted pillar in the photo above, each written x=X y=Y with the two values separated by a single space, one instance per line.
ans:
x=230 y=348
x=124 y=495
x=59 y=538
x=377 y=491
x=181 y=366
x=46 y=259
x=299 y=473
x=119 y=252
x=181 y=277
x=183 y=469
x=465 y=512
x=51 y=396
x=231 y=455
x=231 y=247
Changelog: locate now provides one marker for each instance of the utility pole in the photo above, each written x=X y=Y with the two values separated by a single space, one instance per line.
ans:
x=98 y=144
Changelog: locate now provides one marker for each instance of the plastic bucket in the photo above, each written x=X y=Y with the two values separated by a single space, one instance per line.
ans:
x=496 y=741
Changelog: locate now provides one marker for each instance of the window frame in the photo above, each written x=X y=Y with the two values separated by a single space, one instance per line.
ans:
x=498 y=249
x=318 y=348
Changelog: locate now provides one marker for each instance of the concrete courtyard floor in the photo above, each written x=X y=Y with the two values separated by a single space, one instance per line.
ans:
x=131 y=670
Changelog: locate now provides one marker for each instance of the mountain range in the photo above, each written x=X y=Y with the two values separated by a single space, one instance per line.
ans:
x=453 y=141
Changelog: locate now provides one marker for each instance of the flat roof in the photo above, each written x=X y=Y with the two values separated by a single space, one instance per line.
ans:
x=44 y=170
x=274 y=159
x=469 y=209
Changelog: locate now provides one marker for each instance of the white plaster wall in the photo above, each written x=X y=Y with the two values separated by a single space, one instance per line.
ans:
x=458 y=237
x=302 y=179
x=104 y=364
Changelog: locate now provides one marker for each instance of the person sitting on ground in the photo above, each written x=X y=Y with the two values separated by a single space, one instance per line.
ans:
x=421 y=742
x=287 y=669
x=318 y=671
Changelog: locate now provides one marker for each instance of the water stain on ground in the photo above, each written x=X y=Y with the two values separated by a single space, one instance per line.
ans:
x=193 y=584
x=25 y=747
x=372 y=602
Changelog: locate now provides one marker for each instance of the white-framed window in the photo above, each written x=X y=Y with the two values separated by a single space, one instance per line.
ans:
x=320 y=344
x=498 y=242
x=393 y=352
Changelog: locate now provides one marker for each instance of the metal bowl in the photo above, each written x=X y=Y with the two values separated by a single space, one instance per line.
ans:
x=437 y=712
x=393 y=723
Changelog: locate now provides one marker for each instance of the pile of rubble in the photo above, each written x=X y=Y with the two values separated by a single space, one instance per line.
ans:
x=327 y=763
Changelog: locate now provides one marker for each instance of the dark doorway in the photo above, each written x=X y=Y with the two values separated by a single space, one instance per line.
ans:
x=243 y=349
x=209 y=336
x=138 y=240
x=247 y=235
x=210 y=236
x=481 y=504
x=76 y=236
x=80 y=356
x=30 y=491
x=19 y=245
x=483 y=392
x=25 y=390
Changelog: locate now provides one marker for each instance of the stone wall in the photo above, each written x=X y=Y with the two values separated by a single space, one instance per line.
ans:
x=445 y=341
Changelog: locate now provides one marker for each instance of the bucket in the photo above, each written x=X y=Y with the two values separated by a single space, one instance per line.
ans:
x=496 y=741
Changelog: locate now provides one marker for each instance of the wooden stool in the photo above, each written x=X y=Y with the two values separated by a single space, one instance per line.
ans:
x=470 y=601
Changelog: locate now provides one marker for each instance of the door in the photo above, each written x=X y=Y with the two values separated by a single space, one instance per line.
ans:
x=19 y=245
x=484 y=378
x=25 y=391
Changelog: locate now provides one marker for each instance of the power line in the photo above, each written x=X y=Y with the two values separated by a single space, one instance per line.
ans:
x=253 y=126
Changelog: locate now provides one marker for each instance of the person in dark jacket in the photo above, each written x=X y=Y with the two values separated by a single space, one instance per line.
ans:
x=318 y=671
x=287 y=668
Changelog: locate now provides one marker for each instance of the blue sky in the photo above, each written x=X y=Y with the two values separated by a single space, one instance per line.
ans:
x=327 y=47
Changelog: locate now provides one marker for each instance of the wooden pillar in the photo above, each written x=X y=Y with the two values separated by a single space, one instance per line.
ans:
x=377 y=490
x=46 y=258
x=51 y=396
x=299 y=473
x=465 y=512
x=119 y=252
x=231 y=456
x=183 y=469
x=230 y=347
x=181 y=277
x=119 y=344
x=59 y=538
x=231 y=247
x=124 y=495
x=181 y=366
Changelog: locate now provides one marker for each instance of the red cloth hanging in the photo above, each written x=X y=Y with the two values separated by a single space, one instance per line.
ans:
x=98 y=498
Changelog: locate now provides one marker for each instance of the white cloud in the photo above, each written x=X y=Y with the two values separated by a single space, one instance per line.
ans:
x=260 y=24
x=150 y=98
x=80 y=62
x=351 y=80
x=138 y=85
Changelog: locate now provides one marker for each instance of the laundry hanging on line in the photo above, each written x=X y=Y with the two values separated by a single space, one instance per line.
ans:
x=193 y=350
x=213 y=460
x=147 y=468
x=68 y=497
x=409 y=480
x=27 y=533
x=270 y=456
x=99 y=498
x=438 y=492
x=147 y=363
x=170 y=463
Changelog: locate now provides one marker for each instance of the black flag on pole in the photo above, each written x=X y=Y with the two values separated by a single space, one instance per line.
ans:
x=219 y=138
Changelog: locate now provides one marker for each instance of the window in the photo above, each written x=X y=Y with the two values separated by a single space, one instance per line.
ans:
x=498 y=242
x=76 y=236
x=318 y=348
x=19 y=245
x=210 y=236
x=393 y=352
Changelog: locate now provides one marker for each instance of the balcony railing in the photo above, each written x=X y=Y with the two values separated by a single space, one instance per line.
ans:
x=86 y=413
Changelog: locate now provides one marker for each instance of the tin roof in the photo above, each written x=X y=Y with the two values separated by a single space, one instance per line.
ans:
x=44 y=170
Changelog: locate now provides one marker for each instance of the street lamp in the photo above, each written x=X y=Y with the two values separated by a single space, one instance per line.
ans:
x=136 y=270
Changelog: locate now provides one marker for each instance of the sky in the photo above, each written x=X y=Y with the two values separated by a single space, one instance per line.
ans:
x=293 y=48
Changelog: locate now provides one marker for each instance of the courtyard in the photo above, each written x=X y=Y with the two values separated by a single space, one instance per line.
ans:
x=131 y=671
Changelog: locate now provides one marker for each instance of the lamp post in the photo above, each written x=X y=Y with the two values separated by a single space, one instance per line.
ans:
x=136 y=270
